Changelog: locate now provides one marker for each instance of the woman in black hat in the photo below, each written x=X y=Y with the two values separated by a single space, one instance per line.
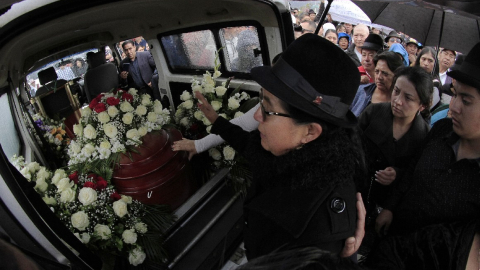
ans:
x=304 y=156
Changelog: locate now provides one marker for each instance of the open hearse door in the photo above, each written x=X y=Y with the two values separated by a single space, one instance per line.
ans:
x=63 y=197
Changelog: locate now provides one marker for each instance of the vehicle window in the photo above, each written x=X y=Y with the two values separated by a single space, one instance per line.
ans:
x=194 y=50
x=8 y=134
x=240 y=45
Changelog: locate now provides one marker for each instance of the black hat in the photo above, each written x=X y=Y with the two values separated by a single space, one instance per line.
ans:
x=373 y=42
x=311 y=11
x=469 y=71
x=301 y=79
x=458 y=62
x=393 y=34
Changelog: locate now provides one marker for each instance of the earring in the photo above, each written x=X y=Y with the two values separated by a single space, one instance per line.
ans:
x=300 y=147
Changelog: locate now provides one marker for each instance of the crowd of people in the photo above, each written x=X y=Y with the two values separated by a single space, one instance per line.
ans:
x=358 y=108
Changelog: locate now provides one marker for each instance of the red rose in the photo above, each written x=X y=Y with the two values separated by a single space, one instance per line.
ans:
x=101 y=184
x=194 y=127
x=74 y=177
x=112 y=101
x=127 y=97
x=115 y=196
x=100 y=107
x=93 y=176
x=93 y=103
x=99 y=178
x=90 y=185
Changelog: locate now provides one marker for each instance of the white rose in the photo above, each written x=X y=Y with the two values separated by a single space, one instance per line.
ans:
x=217 y=74
x=126 y=107
x=136 y=256
x=105 y=145
x=49 y=200
x=89 y=132
x=197 y=88
x=64 y=184
x=216 y=105
x=184 y=122
x=25 y=171
x=103 y=117
x=43 y=173
x=158 y=108
x=78 y=129
x=223 y=115
x=152 y=117
x=80 y=220
x=206 y=122
x=86 y=112
x=41 y=185
x=208 y=79
x=129 y=236
x=59 y=174
x=146 y=100
x=127 y=118
x=85 y=238
x=33 y=167
x=185 y=96
x=233 y=103
x=132 y=133
x=198 y=115
x=141 y=110
x=88 y=149
x=220 y=91
x=188 y=104
x=132 y=91
x=112 y=111
x=215 y=154
x=120 y=208
x=110 y=130
x=238 y=114
x=142 y=131
x=103 y=231
x=228 y=153
x=209 y=88
x=75 y=147
x=126 y=199
x=67 y=195
x=87 y=195
x=208 y=129
x=141 y=227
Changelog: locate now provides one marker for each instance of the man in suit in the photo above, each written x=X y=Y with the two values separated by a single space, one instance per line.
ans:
x=139 y=70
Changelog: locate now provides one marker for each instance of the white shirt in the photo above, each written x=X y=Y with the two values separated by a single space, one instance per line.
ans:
x=359 y=55
x=443 y=77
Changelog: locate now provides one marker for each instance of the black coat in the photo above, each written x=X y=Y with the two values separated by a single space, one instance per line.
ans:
x=296 y=199
x=382 y=151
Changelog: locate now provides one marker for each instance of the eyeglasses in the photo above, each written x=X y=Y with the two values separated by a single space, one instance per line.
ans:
x=265 y=113
x=395 y=40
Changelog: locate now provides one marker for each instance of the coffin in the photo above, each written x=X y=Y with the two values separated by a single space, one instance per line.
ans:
x=156 y=175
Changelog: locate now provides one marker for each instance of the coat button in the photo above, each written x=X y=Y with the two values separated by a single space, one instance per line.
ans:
x=449 y=170
x=338 y=205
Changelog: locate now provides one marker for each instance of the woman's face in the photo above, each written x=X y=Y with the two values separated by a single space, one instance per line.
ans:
x=279 y=134
x=405 y=101
x=383 y=76
x=343 y=43
x=427 y=61
x=332 y=37
x=341 y=29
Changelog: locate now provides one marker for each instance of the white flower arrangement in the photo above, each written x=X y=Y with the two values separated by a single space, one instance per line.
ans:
x=112 y=123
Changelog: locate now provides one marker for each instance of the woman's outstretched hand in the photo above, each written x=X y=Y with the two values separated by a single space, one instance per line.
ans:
x=185 y=145
x=206 y=108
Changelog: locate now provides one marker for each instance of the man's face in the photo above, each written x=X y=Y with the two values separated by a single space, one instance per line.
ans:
x=329 y=17
x=348 y=28
x=307 y=28
x=446 y=59
x=367 y=60
x=359 y=36
x=130 y=51
x=393 y=40
x=312 y=16
x=412 y=48
x=465 y=111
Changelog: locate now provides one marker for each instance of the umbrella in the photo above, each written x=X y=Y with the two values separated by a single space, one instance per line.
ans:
x=437 y=26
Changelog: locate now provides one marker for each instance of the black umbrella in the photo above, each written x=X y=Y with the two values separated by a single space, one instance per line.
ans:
x=432 y=25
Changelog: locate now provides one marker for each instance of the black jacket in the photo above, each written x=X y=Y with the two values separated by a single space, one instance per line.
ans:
x=351 y=52
x=296 y=200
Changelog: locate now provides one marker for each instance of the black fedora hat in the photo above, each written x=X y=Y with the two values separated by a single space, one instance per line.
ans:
x=393 y=34
x=469 y=71
x=301 y=79
x=373 y=42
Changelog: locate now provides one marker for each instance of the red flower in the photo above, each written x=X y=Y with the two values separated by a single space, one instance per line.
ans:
x=194 y=127
x=101 y=184
x=93 y=176
x=115 y=196
x=93 y=103
x=127 y=97
x=99 y=178
x=100 y=107
x=90 y=185
x=74 y=177
x=112 y=101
